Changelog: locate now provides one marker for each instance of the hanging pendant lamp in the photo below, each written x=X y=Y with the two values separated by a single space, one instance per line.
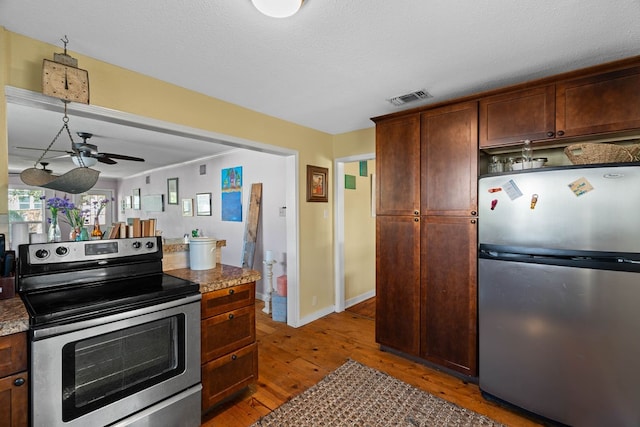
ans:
x=75 y=181
x=278 y=8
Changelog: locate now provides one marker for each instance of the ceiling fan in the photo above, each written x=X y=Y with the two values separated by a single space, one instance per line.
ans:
x=85 y=154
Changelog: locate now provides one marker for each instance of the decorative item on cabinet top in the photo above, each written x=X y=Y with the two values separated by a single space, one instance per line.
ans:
x=592 y=153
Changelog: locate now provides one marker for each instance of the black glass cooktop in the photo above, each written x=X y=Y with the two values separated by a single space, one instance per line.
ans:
x=72 y=304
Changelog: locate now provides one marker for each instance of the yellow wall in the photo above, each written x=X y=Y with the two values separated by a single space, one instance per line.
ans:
x=359 y=234
x=123 y=90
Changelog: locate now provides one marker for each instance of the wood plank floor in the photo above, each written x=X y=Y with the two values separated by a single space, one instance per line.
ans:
x=293 y=359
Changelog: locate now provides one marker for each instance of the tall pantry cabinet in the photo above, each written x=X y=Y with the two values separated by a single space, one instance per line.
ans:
x=426 y=235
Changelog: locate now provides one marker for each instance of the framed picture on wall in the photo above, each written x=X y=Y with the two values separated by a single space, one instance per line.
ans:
x=135 y=202
x=203 y=204
x=187 y=207
x=317 y=184
x=172 y=191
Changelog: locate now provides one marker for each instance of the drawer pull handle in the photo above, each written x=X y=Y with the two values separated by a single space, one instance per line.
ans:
x=19 y=381
x=231 y=316
x=234 y=357
x=232 y=291
x=560 y=133
x=549 y=134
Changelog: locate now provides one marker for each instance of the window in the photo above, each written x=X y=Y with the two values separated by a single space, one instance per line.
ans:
x=26 y=206
x=91 y=203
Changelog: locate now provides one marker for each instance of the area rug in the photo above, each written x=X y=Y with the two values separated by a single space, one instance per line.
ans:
x=357 y=395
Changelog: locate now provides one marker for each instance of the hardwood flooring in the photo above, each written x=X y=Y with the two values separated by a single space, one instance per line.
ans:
x=366 y=308
x=294 y=359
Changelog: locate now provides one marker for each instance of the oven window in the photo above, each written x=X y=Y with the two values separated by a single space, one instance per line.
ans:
x=100 y=370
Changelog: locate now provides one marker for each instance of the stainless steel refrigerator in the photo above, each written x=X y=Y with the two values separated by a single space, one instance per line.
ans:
x=559 y=293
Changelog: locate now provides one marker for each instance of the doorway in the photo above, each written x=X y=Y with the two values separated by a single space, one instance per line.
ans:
x=341 y=246
x=38 y=101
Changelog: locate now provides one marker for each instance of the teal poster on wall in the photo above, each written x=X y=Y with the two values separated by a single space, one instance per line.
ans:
x=232 y=194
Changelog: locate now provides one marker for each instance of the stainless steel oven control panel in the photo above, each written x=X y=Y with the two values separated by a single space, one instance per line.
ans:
x=59 y=252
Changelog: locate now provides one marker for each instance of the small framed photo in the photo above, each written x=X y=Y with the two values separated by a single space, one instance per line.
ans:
x=203 y=204
x=136 y=199
x=187 y=207
x=172 y=191
x=317 y=184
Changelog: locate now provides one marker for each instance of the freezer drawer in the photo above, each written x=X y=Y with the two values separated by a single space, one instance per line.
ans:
x=561 y=342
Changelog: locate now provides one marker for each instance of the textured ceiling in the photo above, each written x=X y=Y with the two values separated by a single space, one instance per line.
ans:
x=333 y=65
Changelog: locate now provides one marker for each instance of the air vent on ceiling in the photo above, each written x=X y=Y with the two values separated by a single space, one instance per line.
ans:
x=410 y=97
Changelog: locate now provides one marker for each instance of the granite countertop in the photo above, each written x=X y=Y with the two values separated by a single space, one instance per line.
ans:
x=220 y=277
x=13 y=316
x=178 y=245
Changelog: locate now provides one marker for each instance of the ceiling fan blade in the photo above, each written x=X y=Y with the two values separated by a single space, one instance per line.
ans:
x=122 y=157
x=41 y=149
x=106 y=160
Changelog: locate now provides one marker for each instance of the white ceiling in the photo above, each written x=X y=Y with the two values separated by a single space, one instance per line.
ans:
x=333 y=65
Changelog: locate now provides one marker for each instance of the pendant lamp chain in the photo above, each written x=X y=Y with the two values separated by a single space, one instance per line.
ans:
x=64 y=127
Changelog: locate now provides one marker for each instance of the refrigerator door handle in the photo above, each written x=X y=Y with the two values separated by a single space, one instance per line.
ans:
x=628 y=261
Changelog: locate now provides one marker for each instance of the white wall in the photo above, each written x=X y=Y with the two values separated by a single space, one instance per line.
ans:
x=257 y=167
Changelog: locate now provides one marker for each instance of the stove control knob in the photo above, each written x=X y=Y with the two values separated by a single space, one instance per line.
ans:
x=42 y=253
x=61 y=251
x=136 y=245
x=149 y=245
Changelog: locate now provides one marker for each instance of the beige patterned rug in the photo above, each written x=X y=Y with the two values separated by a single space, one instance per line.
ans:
x=356 y=395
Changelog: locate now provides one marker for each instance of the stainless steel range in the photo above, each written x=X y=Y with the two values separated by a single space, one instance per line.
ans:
x=113 y=340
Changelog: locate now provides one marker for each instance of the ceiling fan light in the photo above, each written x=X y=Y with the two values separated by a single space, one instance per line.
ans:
x=278 y=8
x=87 y=161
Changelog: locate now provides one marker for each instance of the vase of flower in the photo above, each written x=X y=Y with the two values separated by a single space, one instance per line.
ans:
x=84 y=234
x=96 y=233
x=54 y=234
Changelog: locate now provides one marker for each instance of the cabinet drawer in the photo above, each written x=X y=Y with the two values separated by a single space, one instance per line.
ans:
x=227 y=332
x=228 y=374
x=13 y=353
x=218 y=302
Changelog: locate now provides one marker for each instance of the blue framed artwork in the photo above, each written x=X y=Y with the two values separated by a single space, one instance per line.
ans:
x=232 y=194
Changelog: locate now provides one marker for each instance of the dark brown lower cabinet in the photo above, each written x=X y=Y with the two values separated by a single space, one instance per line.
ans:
x=14 y=381
x=398 y=283
x=449 y=295
x=426 y=298
x=229 y=353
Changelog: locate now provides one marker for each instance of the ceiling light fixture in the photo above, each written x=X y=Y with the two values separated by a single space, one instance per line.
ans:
x=83 y=160
x=278 y=8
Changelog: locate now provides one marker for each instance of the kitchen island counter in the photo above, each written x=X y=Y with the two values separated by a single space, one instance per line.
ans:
x=222 y=276
x=13 y=316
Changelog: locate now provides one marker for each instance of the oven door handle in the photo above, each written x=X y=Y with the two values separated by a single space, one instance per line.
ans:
x=50 y=331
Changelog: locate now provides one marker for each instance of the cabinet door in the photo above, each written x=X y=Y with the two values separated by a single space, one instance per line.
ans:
x=449 y=160
x=509 y=118
x=228 y=374
x=449 y=292
x=608 y=102
x=398 y=282
x=13 y=353
x=398 y=166
x=14 y=394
